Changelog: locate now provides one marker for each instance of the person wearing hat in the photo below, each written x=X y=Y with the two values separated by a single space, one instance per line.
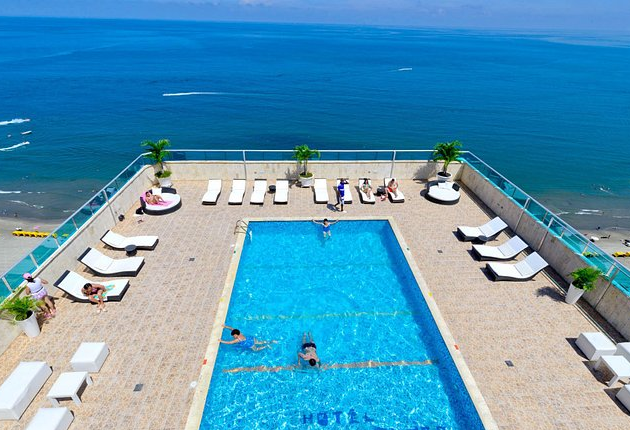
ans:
x=35 y=288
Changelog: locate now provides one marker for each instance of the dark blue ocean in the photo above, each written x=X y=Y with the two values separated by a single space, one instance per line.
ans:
x=550 y=111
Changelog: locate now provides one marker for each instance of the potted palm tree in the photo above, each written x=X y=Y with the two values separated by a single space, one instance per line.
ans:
x=446 y=152
x=20 y=310
x=302 y=153
x=157 y=153
x=583 y=280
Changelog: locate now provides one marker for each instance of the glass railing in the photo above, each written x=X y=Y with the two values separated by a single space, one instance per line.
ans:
x=574 y=240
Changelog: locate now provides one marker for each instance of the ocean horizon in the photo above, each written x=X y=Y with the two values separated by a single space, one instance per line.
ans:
x=550 y=111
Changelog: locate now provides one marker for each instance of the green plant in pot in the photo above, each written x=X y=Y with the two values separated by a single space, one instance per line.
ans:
x=157 y=152
x=21 y=311
x=302 y=153
x=584 y=279
x=447 y=152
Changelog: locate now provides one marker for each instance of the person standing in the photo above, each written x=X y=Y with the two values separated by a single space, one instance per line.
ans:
x=341 y=192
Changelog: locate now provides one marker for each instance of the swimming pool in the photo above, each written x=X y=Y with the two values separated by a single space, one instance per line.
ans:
x=388 y=366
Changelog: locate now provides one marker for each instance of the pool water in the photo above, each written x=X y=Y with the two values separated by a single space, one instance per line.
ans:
x=358 y=297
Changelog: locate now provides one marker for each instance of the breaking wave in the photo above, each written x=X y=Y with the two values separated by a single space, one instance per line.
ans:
x=20 y=202
x=15 y=121
x=193 y=93
x=17 y=145
x=10 y=192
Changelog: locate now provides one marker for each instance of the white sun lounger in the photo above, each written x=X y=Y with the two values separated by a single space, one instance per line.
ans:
x=347 y=194
x=71 y=284
x=117 y=241
x=400 y=198
x=321 y=191
x=521 y=271
x=363 y=196
x=258 y=195
x=21 y=387
x=486 y=232
x=506 y=251
x=238 y=192
x=212 y=194
x=282 y=192
x=106 y=266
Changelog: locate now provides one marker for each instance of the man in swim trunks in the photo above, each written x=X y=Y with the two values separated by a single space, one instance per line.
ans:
x=246 y=342
x=310 y=351
x=326 y=226
x=392 y=187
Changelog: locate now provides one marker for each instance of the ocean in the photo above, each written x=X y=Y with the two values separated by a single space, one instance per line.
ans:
x=549 y=111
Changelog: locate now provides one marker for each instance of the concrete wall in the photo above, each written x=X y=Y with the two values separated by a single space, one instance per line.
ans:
x=227 y=170
x=88 y=235
x=611 y=303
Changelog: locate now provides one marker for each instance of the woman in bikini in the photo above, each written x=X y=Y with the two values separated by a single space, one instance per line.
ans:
x=95 y=293
x=152 y=199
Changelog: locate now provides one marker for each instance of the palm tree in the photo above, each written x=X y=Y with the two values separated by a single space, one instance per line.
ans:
x=302 y=153
x=157 y=152
x=447 y=152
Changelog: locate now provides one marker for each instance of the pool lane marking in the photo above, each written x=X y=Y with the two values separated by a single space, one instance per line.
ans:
x=356 y=365
x=336 y=315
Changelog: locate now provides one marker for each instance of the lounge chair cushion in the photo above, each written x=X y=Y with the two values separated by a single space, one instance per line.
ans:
x=21 y=387
x=238 y=192
x=363 y=196
x=521 y=271
x=212 y=194
x=321 y=191
x=282 y=191
x=106 y=266
x=71 y=284
x=400 y=196
x=486 y=232
x=118 y=241
x=260 y=189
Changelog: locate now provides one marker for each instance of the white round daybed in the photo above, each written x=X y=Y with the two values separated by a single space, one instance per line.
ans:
x=445 y=193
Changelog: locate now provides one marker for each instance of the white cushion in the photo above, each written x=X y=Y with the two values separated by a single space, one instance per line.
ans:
x=594 y=345
x=89 y=357
x=72 y=284
x=21 y=387
x=51 y=419
x=170 y=199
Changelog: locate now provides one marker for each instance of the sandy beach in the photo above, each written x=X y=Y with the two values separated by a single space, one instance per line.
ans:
x=13 y=248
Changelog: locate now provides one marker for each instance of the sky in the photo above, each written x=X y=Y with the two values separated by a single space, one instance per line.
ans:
x=606 y=15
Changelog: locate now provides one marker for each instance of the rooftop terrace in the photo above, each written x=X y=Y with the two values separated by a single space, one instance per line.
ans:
x=159 y=333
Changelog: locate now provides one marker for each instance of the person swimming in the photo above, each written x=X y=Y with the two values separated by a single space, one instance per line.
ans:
x=326 y=226
x=246 y=342
x=310 y=351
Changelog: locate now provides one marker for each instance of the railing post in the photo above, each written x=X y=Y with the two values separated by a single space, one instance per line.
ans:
x=56 y=241
x=33 y=259
x=75 y=223
x=546 y=233
x=610 y=281
x=391 y=170
x=245 y=165
x=111 y=210
x=521 y=215
x=6 y=283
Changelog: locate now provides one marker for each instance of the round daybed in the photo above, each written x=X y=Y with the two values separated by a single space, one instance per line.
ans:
x=172 y=202
x=445 y=193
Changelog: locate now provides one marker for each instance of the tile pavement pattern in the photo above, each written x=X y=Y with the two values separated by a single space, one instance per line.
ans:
x=159 y=333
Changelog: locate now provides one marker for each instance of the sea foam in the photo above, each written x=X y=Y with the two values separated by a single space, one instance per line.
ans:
x=20 y=202
x=17 y=145
x=15 y=121
x=10 y=192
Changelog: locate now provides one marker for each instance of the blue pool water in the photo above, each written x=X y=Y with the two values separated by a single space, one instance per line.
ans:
x=358 y=297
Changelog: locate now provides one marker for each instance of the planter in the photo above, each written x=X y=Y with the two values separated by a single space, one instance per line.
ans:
x=573 y=294
x=165 y=182
x=444 y=177
x=29 y=326
x=306 y=181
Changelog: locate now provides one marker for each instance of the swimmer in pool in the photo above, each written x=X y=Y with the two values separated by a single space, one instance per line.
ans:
x=310 y=351
x=326 y=226
x=246 y=342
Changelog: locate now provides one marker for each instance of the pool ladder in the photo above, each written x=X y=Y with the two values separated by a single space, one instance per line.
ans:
x=240 y=227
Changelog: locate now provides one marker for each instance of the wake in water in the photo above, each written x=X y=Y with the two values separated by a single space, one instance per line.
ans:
x=404 y=69
x=193 y=93
x=15 y=121
x=11 y=148
x=10 y=192
x=589 y=212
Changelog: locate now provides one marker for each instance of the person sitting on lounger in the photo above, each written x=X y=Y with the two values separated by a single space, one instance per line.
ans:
x=246 y=342
x=392 y=187
x=153 y=199
x=326 y=226
x=310 y=351
x=366 y=188
x=95 y=294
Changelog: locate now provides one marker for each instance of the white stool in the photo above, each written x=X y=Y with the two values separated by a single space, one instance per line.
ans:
x=89 y=357
x=618 y=365
x=623 y=349
x=51 y=419
x=594 y=345
x=67 y=386
x=623 y=396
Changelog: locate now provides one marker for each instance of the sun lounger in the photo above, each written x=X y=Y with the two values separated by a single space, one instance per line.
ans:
x=363 y=196
x=258 y=195
x=172 y=202
x=21 y=387
x=347 y=195
x=282 y=192
x=321 y=191
x=238 y=192
x=116 y=241
x=71 y=284
x=399 y=198
x=521 y=271
x=486 y=232
x=212 y=194
x=506 y=251
x=106 y=266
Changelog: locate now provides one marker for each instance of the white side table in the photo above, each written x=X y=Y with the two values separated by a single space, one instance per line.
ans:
x=89 y=357
x=51 y=419
x=623 y=349
x=594 y=345
x=67 y=386
x=618 y=365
